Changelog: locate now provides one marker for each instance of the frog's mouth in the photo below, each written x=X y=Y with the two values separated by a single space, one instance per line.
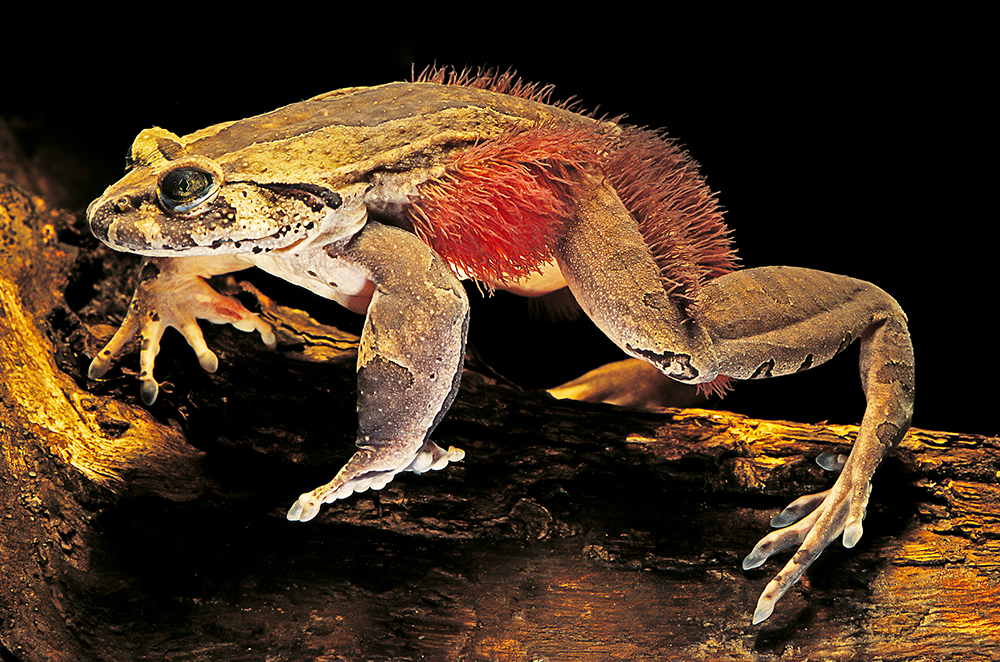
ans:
x=142 y=228
x=285 y=215
x=290 y=214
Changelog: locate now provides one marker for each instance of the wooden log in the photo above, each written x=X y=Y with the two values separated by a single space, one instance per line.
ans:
x=571 y=531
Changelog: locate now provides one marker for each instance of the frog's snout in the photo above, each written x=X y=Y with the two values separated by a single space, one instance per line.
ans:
x=99 y=218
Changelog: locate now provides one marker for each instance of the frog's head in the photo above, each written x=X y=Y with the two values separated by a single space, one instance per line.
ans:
x=173 y=201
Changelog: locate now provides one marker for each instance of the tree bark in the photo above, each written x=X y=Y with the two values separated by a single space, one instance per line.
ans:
x=571 y=531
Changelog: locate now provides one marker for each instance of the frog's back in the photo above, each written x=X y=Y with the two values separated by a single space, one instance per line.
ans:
x=364 y=122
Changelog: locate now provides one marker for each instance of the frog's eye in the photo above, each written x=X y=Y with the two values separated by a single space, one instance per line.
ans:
x=183 y=189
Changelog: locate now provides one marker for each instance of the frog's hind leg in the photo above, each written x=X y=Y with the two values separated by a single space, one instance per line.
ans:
x=773 y=321
x=409 y=364
x=750 y=324
x=612 y=274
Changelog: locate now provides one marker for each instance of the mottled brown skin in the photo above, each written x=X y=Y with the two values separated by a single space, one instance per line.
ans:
x=360 y=195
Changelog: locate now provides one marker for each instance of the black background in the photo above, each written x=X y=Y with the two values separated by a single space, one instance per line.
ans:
x=844 y=142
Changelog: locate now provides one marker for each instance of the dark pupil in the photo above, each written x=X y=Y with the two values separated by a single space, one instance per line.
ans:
x=183 y=185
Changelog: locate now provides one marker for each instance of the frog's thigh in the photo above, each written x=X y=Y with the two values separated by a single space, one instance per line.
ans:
x=409 y=364
x=612 y=274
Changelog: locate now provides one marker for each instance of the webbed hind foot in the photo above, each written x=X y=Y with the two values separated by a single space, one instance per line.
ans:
x=812 y=521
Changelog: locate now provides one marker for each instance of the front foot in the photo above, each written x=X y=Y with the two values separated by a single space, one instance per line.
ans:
x=372 y=469
x=814 y=521
x=173 y=293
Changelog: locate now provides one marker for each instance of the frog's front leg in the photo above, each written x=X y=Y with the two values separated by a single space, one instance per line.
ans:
x=779 y=320
x=749 y=324
x=172 y=292
x=409 y=364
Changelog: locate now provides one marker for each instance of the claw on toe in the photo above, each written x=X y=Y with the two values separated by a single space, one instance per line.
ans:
x=831 y=461
x=149 y=390
x=798 y=509
x=765 y=607
x=812 y=522
x=303 y=510
x=852 y=533
x=754 y=559
x=98 y=367
x=208 y=361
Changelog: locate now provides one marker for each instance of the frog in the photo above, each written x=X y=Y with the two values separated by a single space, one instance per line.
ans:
x=385 y=198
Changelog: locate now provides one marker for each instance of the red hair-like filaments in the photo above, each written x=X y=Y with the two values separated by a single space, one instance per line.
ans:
x=498 y=208
x=677 y=212
x=657 y=180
